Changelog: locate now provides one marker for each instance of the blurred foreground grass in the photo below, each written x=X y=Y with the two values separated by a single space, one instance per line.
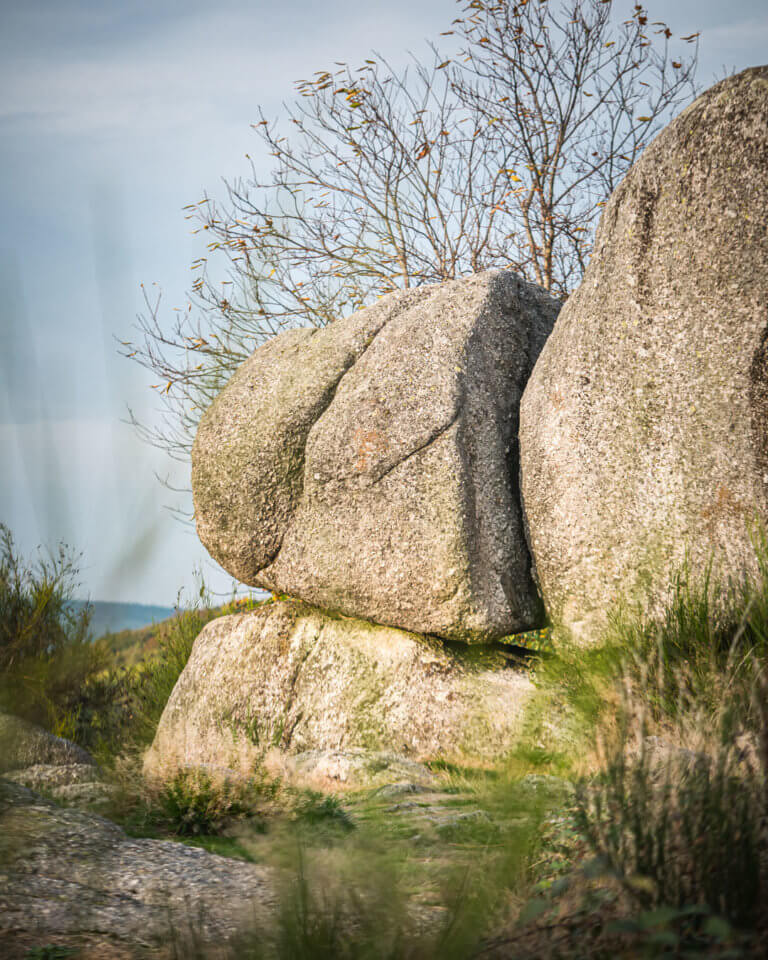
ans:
x=630 y=821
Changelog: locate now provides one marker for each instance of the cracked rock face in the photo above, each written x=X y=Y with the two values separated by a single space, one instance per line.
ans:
x=644 y=427
x=286 y=678
x=370 y=467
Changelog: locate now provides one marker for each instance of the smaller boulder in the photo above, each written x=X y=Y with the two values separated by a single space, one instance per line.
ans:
x=290 y=679
x=22 y=745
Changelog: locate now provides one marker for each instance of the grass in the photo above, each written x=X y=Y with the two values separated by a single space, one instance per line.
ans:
x=375 y=884
x=675 y=814
x=661 y=846
x=47 y=657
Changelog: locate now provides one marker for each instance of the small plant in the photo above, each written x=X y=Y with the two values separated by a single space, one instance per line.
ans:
x=315 y=809
x=192 y=803
x=47 y=658
x=196 y=804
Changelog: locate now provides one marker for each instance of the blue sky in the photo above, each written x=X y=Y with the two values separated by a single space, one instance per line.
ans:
x=113 y=116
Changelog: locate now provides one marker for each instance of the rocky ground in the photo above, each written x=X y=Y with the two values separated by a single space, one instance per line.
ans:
x=70 y=877
x=75 y=878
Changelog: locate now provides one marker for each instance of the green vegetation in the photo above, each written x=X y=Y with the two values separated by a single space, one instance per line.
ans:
x=47 y=659
x=141 y=691
x=106 y=694
x=132 y=692
x=669 y=825
x=629 y=822
x=190 y=804
x=678 y=811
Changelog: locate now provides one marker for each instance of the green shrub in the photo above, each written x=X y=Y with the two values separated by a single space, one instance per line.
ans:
x=681 y=820
x=196 y=804
x=47 y=658
x=708 y=631
x=191 y=804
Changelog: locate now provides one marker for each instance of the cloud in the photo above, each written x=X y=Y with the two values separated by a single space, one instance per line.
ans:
x=209 y=66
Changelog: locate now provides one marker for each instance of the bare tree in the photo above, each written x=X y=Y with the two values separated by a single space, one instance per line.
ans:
x=571 y=100
x=501 y=156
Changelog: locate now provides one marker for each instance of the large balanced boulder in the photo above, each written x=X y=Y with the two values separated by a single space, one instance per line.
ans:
x=644 y=427
x=370 y=467
x=290 y=679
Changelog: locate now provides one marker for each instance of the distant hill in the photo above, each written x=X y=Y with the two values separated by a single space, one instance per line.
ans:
x=135 y=630
x=110 y=617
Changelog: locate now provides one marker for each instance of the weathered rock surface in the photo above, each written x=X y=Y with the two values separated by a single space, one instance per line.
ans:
x=334 y=770
x=289 y=678
x=22 y=745
x=370 y=467
x=644 y=427
x=75 y=784
x=50 y=776
x=69 y=877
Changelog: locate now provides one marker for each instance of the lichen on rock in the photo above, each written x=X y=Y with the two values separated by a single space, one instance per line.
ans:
x=289 y=679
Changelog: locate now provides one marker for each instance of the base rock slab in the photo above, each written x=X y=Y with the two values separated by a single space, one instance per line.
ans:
x=290 y=679
x=76 y=879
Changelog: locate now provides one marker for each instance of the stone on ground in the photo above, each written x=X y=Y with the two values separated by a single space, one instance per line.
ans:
x=73 y=878
x=290 y=679
x=370 y=468
x=22 y=745
x=335 y=770
x=644 y=426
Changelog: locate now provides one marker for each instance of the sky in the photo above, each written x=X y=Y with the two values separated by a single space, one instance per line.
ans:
x=113 y=117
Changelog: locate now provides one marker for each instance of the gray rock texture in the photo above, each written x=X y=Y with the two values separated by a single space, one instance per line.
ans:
x=289 y=679
x=644 y=427
x=50 y=776
x=370 y=467
x=353 y=768
x=22 y=745
x=68 y=877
